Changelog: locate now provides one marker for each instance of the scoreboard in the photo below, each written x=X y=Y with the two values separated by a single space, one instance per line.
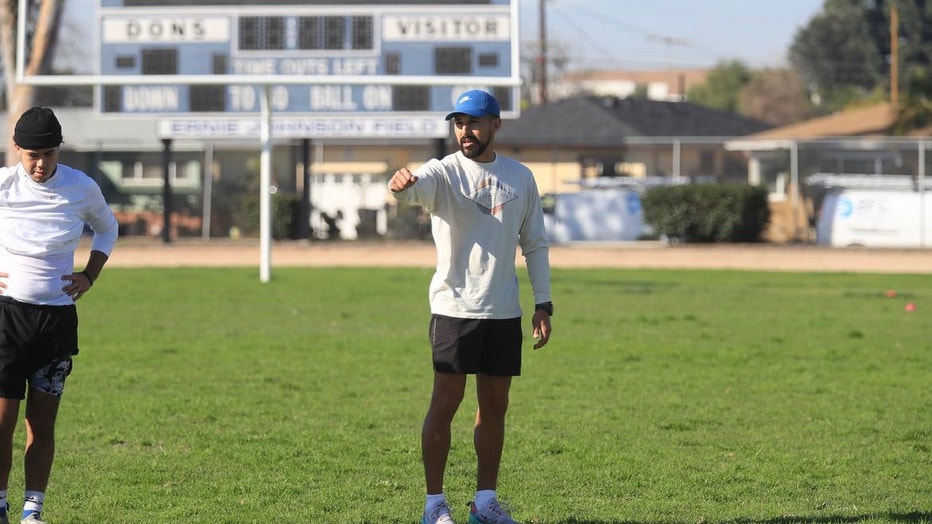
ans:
x=330 y=59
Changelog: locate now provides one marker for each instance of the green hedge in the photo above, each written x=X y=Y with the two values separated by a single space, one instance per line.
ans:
x=285 y=208
x=707 y=212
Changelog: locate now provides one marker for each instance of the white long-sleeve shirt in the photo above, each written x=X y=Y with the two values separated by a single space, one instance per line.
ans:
x=480 y=214
x=41 y=226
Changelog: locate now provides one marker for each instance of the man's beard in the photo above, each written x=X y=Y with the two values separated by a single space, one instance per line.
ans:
x=479 y=146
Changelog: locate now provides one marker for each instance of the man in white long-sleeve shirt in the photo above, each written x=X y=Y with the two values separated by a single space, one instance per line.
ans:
x=44 y=207
x=483 y=206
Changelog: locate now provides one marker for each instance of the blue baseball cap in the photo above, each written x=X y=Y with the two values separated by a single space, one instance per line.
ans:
x=475 y=103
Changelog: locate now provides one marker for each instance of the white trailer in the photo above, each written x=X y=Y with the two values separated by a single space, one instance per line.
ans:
x=609 y=214
x=875 y=217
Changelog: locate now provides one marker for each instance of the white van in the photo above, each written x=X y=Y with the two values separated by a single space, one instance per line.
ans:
x=609 y=214
x=875 y=218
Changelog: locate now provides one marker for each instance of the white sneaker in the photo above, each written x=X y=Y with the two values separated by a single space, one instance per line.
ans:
x=33 y=518
x=440 y=515
x=493 y=514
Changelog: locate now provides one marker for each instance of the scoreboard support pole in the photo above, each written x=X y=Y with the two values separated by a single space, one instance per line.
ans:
x=208 y=193
x=440 y=148
x=265 y=189
x=166 y=190
x=921 y=186
x=304 y=224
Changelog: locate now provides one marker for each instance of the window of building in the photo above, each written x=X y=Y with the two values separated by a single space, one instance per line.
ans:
x=146 y=169
x=707 y=163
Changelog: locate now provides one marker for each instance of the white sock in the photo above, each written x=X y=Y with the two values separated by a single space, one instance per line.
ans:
x=3 y=499
x=483 y=498
x=433 y=502
x=33 y=501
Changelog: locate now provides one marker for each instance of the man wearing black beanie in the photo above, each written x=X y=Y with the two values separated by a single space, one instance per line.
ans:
x=38 y=128
x=44 y=208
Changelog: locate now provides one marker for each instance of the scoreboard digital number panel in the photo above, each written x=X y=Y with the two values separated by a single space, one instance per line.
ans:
x=374 y=57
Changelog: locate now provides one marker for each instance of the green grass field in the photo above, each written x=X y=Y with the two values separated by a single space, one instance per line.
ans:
x=203 y=395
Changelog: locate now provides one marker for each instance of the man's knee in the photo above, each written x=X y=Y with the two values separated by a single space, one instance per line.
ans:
x=447 y=395
x=492 y=393
x=446 y=402
x=41 y=411
x=9 y=416
x=493 y=412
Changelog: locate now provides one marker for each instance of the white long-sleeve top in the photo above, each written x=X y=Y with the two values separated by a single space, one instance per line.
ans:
x=480 y=214
x=41 y=226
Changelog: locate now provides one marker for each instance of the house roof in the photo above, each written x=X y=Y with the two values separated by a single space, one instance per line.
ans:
x=595 y=122
x=870 y=120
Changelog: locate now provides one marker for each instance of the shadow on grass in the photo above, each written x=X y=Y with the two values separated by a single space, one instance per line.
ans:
x=911 y=517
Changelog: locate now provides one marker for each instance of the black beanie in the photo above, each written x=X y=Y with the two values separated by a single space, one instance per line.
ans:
x=37 y=129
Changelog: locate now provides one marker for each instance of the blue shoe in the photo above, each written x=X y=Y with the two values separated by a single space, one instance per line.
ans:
x=4 y=519
x=440 y=515
x=493 y=514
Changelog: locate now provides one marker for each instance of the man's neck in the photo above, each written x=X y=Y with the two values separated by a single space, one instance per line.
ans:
x=486 y=158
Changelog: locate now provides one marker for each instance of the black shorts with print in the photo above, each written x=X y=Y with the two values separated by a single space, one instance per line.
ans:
x=476 y=345
x=31 y=338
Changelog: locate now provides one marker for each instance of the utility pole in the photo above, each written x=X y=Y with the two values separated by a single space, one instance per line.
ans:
x=894 y=55
x=542 y=55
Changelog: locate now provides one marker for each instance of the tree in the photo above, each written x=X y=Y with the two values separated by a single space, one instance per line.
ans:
x=837 y=53
x=844 y=54
x=722 y=87
x=915 y=112
x=45 y=16
x=775 y=96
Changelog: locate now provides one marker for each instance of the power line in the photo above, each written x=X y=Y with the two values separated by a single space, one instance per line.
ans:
x=568 y=16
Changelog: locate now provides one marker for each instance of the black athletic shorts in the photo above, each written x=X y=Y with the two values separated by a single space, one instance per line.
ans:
x=31 y=338
x=476 y=345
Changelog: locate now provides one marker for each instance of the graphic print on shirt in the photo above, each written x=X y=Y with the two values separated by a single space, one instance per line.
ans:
x=492 y=195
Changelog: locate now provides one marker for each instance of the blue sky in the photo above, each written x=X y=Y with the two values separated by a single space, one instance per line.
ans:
x=649 y=34
x=657 y=34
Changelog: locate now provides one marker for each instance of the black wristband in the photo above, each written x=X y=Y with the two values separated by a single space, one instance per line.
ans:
x=544 y=306
x=88 y=275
